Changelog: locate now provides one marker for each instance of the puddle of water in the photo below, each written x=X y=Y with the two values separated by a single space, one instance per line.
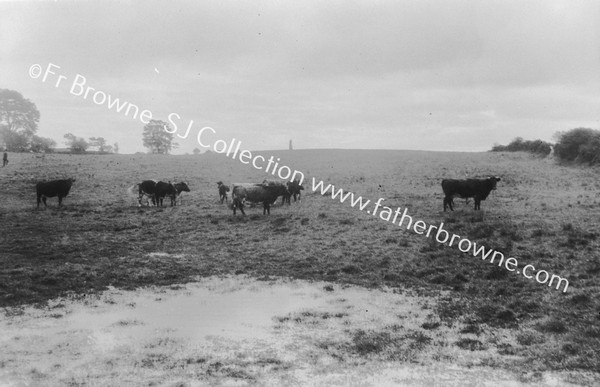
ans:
x=232 y=330
x=228 y=308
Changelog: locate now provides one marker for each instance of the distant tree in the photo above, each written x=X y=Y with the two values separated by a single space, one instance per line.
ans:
x=116 y=147
x=19 y=119
x=42 y=144
x=77 y=144
x=157 y=138
x=579 y=145
x=15 y=142
x=520 y=145
x=100 y=143
x=196 y=151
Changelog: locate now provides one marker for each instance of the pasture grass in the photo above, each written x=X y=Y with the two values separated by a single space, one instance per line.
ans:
x=543 y=214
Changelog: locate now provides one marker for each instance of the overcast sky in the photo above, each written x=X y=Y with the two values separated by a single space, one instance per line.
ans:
x=432 y=75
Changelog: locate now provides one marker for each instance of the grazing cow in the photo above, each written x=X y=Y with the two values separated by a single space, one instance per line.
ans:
x=478 y=189
x=294 y=188
x=50 y=189
x=223 y=189
x=147 y=188
x=266 y=193
x=163 y=189
x=179 y=188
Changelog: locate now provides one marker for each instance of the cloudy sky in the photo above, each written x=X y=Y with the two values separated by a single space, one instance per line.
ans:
x=432 y=75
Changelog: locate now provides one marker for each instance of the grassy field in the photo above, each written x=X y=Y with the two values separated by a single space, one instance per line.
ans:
x=542 y=213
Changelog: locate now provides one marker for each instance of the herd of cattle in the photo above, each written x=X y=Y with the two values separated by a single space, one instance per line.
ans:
x=266 y=192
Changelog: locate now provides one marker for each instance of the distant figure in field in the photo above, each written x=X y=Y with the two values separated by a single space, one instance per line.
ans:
x=291 y=147
x=5 y=159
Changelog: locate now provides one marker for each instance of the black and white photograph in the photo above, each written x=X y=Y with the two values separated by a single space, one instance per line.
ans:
x=300 y=193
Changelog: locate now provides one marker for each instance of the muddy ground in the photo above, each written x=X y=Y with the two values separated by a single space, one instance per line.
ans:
x=543 y=214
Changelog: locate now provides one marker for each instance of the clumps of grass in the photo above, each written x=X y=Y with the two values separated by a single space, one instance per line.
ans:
x=310 y=317
x=304 y=221
x=322 y=215
x=431 y=325
x=482 y=231
x=538 y=233
x=553 y=325
x=367 y=343
x=580 y=299
x=470 y=344
x=530 y=337
x=577 y=238
x=489 y=314
x=351 y=269
x=511 y=232
x=477 y=217
x=472 y=328
x=496 y=273
x=278 y=222
x=125 y=323
x=346 y=221
x=450 y=310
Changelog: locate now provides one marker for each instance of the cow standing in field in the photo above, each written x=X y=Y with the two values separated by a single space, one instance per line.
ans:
x=223 y=189
x=157 y=190
x=294 y=189
x=163 y=189
x=179 y=188
x=478 y=189
x=147 y=188
x=266 y=193
x=50 y=189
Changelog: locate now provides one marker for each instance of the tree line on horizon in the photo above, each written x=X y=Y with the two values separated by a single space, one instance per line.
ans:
x=19 y=118
x=579 y=145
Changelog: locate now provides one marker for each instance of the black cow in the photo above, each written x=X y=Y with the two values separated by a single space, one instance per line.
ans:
x=478 y=189
x=50 y=189
x=266 y=193
x=179 y=188
x=147 y=188
x=223 y=189
x=156 y=191
x=294 y=189
x=163 y=189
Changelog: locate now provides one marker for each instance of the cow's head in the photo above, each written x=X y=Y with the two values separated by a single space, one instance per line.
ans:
x=493 y=180
x=182 y=187
x=219 y=183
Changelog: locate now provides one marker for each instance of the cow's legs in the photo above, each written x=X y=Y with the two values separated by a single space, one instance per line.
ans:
x=448 y=203
x=60 y=200
x=477 y=203
x=237 y=203
x=39 y=199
